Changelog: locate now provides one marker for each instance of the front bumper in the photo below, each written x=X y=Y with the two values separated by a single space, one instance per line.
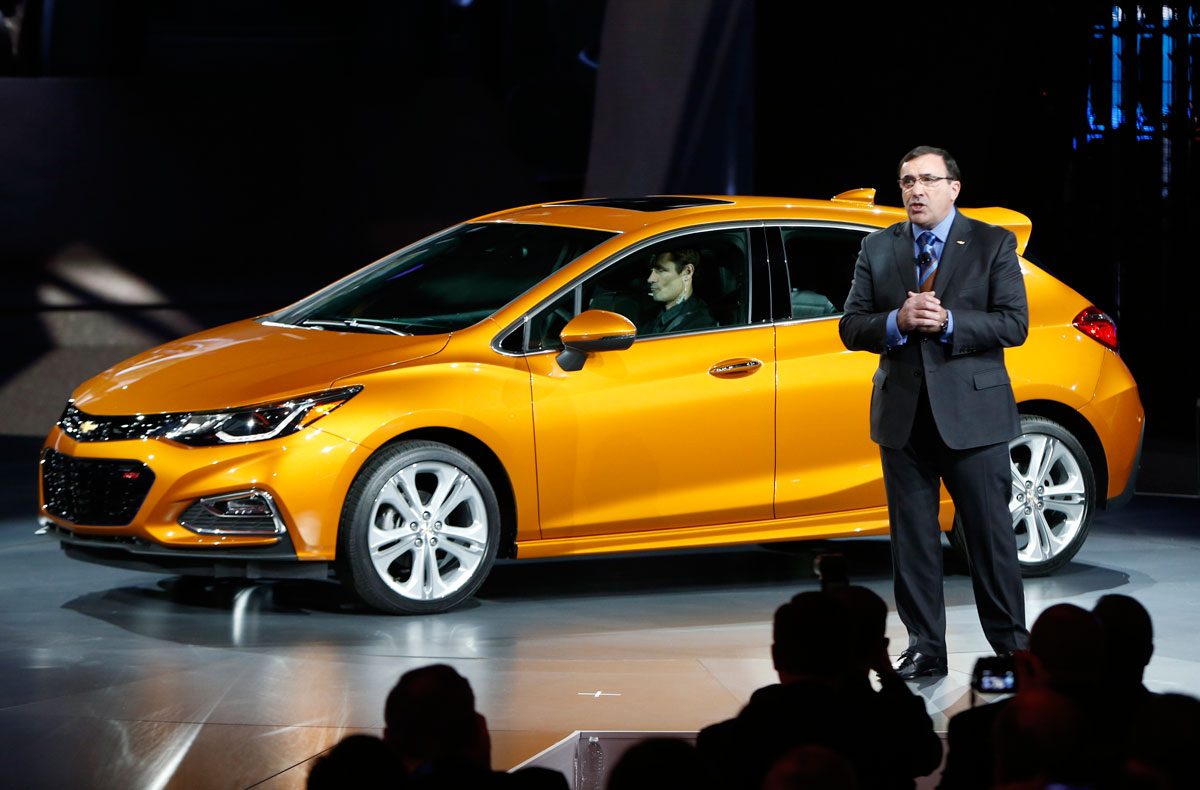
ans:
x=91 y=509
x=133 y=553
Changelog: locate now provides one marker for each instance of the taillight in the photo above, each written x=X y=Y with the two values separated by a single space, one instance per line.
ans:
x=1096 y=324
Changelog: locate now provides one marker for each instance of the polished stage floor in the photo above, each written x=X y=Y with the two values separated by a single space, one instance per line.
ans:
x=114 y=678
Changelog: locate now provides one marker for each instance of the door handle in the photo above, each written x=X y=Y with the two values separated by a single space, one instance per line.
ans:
x=734 y=368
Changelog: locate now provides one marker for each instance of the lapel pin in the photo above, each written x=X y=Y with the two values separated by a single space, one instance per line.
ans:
x=960 y=241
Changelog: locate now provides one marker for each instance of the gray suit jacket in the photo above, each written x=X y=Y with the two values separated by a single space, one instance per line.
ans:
x=979 y=281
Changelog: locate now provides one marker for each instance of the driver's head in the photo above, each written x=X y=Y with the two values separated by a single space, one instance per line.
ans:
x=672 y=274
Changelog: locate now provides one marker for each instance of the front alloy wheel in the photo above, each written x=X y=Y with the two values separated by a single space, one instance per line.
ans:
x=419 y=529
x=1053 y=496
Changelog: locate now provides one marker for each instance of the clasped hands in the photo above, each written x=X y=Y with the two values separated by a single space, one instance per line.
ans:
x=922 y=312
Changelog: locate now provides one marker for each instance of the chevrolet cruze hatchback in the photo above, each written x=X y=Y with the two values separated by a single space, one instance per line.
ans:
x=513 y=387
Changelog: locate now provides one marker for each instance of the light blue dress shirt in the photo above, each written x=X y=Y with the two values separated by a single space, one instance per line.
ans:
x=940 y=232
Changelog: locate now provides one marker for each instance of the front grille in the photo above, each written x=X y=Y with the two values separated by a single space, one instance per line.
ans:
x=83 y=427
x=92 y=491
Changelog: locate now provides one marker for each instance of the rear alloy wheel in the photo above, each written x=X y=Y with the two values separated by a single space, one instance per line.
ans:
x=1053 y=496
x=419 y=529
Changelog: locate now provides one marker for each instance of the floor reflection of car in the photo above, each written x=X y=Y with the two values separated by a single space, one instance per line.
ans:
x=498 y=389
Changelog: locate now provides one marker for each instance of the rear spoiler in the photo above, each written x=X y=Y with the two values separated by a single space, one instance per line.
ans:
x=1018 y=223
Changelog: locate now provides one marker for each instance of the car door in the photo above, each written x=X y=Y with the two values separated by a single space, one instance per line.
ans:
x=827 y=462
x=678 y=429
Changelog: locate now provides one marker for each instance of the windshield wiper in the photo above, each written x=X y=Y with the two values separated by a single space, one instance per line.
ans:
x=354 y=323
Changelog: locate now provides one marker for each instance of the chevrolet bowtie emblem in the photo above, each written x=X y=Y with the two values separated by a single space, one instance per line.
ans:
x=88 y=427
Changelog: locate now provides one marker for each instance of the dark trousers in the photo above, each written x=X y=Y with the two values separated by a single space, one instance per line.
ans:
x=980 y=484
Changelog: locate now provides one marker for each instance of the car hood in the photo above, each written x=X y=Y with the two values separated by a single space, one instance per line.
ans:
x=241 y=364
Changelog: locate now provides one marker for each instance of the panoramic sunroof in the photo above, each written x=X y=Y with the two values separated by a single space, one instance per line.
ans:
x=650 y=202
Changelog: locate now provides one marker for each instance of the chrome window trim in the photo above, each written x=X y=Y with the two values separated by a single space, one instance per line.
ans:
x=520 y=325
x=671 y=336
x=822 y=223
x=791 y=321
x=524 y=318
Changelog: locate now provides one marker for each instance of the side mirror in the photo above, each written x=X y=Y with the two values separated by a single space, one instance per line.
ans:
x=591 y=331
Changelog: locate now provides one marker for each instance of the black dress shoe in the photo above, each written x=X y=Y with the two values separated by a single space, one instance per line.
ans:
x=919 y=665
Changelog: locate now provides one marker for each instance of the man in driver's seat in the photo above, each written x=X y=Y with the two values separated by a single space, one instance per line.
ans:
x=672 y=280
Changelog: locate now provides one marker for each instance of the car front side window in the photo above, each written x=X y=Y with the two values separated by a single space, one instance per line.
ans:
x=688 y=283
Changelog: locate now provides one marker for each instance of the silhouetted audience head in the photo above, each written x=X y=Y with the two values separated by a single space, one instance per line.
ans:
x=430 y=715
x=657 y=763
x=1128 y=637
x=810 y=637
x=1069 y=643
x=1039 y=736
x=359 y=761
x=1162 y=752
x=811 y=768
x=881 y=739
x=866 y=624
x=535 y=778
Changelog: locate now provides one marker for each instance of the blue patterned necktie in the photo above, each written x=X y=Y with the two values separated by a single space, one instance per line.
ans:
x=927 y=263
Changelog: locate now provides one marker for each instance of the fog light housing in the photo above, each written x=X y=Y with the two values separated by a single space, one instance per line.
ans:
x=250 y=512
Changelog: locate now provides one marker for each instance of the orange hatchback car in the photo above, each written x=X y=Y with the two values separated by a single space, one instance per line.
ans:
x=515 y=386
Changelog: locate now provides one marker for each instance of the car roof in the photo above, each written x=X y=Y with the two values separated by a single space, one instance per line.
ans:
x=627 y=214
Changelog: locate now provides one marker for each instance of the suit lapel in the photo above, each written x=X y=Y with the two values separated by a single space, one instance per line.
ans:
x=955 y=248
x=902 y=254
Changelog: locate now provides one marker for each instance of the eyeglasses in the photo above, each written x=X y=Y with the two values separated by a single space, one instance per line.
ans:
x=908 y=182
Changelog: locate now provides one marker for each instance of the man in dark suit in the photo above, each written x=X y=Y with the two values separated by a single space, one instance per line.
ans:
x=939 y=297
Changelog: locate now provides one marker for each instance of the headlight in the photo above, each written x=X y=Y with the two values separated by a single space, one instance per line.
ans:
x=255 y=423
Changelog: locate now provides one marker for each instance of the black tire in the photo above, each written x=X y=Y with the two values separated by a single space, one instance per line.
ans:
x=1053 y=497
x=419 y=529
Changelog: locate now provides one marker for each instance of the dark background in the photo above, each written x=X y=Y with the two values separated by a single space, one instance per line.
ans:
x=170 y=165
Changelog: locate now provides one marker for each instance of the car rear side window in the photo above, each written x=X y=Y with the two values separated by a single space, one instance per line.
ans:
x=820 y=263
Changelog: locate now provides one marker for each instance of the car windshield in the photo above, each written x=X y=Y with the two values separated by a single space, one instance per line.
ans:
x=445 y=283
